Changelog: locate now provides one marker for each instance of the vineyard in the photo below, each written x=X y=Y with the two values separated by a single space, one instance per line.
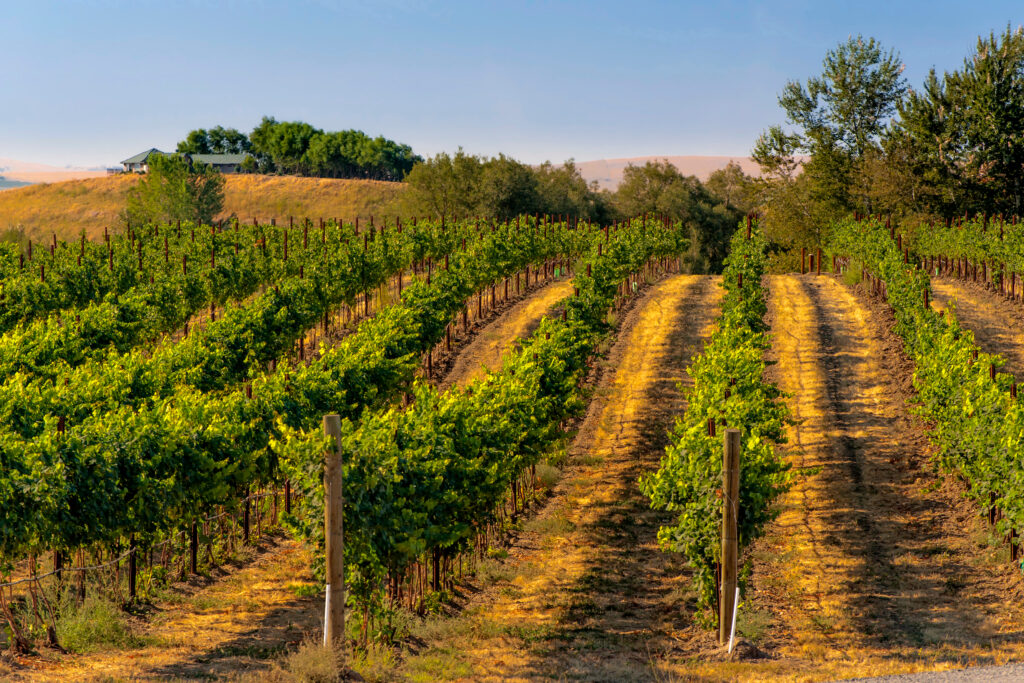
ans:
x=530 y=422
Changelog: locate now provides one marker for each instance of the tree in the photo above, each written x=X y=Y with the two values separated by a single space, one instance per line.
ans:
x=658 y=188
x=444 y=186
x=217 y=140
x=838 y=120
x=734 y=187
x=838 y=116
x=281 y=146
x=963 y=130
x=176 y=188
x=562 y=190
x=507 y=189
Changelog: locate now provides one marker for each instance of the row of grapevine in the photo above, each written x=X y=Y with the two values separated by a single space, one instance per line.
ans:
x=990 y=249
x=224 y=352
x=158 y=451
x=729 y=390
x=143 y=312
x=425 y=481
x=977 y=424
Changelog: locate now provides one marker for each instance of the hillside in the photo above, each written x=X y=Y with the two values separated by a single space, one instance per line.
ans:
x=608 y=172
x=89 y=204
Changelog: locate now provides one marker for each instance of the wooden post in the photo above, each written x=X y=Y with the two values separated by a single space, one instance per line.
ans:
x=803 y=260
x=132 y=568
x=334 y=626
x=193 y=548
x=730 y=537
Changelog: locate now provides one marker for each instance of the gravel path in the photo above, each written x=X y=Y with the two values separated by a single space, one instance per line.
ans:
x=1011 y=673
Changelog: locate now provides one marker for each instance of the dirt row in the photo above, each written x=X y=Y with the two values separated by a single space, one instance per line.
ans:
x=586 y=593
x=875 y=564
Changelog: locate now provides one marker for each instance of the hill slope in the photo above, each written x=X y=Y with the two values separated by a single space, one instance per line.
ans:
x=67 y=208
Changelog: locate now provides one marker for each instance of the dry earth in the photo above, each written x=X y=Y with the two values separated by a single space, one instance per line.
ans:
x=874 y=565
x=587 y=594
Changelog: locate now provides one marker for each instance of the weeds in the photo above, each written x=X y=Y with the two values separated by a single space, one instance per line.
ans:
x=94 y=625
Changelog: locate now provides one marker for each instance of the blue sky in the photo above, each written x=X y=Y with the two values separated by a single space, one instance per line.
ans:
x=90 y=82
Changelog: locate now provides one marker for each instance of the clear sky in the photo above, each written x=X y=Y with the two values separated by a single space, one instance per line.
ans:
x=90 y=82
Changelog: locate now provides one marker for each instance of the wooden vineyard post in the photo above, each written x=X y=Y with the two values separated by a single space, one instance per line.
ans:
x=334 y=610
x=193 y=549
x=132 y=568
x=730 y=537
x=803 y=260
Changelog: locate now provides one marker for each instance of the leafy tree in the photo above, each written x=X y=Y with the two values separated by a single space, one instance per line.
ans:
x=175 y=188
x=444 y=185
x=963 y=130
x=562 y=190
x=508 y=188
x=659 y=188
x=838 y=120
x=282 y=146
x=734 y=187
x=217 y=140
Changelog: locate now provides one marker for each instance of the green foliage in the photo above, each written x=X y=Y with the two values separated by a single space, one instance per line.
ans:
x=659 y=188
x=499 y=188
x=963 y=130
x=734 y=188
x=997 y=243
x=977 y=429
x=729 y=387
x=176 y=189
x=425 y=480
x=217 y=140
x=298 y=148
x=839 y=119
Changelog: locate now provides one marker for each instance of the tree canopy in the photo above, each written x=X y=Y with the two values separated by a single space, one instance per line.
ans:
x=298 y=148
x=176 y=189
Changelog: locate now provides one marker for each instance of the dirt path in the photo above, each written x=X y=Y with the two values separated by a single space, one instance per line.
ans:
x=998 y=325
x=237 y=623
x=488 y=348
x=587 y=594
x=872 y=567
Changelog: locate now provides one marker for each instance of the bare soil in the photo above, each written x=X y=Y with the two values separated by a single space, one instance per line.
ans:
x=485 y=352
x=586 y=593
x=875 y=565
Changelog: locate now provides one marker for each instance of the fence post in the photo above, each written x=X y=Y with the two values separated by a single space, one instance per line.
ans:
x=334 y=610
x=730 y=510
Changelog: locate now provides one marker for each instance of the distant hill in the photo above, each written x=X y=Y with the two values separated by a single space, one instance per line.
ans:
x=608 y=172
x=66 y=208
x=30 y=172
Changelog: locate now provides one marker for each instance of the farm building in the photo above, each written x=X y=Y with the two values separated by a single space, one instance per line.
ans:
x=225 y=163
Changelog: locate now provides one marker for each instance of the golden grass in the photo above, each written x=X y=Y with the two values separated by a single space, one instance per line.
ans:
x=66 y=208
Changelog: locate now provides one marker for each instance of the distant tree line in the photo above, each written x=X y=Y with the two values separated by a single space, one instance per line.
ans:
x=297 y=148
x=462 y=184
x=500 y=188
x=859 y=138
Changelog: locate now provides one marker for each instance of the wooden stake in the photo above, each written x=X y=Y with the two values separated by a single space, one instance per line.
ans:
x=334 y=626
x=730 y=537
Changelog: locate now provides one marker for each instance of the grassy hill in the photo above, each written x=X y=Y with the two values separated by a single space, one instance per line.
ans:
x=66 y=208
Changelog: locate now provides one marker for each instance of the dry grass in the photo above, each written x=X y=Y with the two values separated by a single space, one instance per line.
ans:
x=89 y=204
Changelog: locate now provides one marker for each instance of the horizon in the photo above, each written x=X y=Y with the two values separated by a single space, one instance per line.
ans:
x=654 y=79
